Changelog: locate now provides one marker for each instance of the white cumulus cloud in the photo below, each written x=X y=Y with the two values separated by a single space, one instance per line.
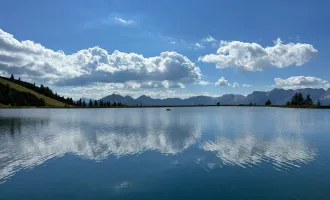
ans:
x=254 y=57
x=203 y=83
x=296 y=82
x=94 y=65
x=223 y=82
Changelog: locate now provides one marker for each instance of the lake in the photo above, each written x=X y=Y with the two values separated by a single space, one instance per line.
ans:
x=151 y=153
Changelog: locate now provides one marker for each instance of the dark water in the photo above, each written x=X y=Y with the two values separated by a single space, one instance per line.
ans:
x=187 y=153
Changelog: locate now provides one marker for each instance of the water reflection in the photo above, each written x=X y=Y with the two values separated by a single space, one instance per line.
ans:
x=168 y=141
x=248 y=151
x=242 y=151
x=90 y=139
x=30 y=139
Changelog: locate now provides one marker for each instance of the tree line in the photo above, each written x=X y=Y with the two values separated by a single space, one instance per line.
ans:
x=99 y=103
x=41 y=90
x=298 y=99
x=12 y=97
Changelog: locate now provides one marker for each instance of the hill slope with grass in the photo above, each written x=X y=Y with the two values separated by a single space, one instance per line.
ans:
x=48 y=101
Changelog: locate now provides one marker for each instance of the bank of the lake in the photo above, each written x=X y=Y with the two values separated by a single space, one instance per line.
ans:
x=170 y=106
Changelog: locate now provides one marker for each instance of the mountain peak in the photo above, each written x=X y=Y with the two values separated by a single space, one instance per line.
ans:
x=277 y=96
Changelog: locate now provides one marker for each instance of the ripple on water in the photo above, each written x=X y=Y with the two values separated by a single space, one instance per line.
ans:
x=246 y=151
x=28 y=141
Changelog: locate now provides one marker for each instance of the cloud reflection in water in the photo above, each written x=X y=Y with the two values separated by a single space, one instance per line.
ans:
x=85 y=139
x=248 y=151
x=28 y=139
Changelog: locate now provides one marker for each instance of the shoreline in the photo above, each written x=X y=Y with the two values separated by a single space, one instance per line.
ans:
x=165 y=106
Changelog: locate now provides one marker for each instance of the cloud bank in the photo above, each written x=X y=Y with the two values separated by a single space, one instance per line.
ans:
x=94 y=65
x=253 y=57
x=297 y=82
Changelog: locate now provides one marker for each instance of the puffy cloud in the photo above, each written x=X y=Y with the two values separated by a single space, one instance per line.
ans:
x=203 y=83
x=222 y=82
x=254 y=57
x=169 y=69
x=296 y=82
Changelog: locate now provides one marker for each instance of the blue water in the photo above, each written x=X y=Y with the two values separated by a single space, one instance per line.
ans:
x=186 y=153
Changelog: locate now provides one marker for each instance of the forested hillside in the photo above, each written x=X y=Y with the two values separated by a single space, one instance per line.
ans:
x=14 y=93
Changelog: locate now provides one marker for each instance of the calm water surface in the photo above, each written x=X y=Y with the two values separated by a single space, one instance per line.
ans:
x=187 y=153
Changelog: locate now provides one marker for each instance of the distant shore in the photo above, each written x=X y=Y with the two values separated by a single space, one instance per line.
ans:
x=167 y=106
x=23 y=94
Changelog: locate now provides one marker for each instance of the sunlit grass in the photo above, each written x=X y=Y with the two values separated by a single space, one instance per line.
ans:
x=49 y=101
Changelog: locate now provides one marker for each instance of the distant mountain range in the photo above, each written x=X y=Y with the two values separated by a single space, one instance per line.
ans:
x=276 y=96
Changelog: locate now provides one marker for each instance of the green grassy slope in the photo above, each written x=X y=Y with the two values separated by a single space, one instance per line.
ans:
x=49 y=101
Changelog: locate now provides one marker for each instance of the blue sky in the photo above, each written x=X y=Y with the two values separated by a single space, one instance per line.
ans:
x=149 y=28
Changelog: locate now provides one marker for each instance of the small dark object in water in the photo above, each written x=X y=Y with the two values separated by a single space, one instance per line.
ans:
x=168 y=109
